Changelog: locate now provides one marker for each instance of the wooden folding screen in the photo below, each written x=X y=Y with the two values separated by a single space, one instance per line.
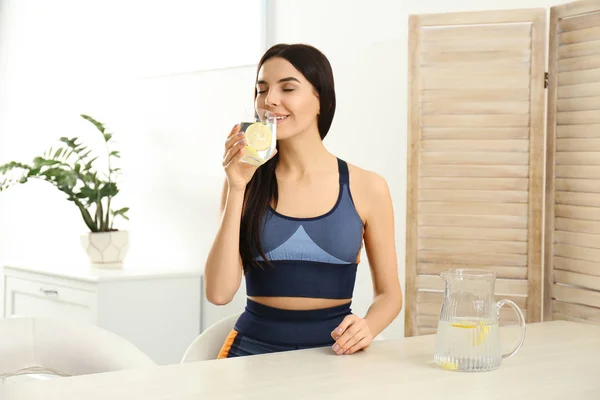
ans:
x=476 y=157
x=572 y=251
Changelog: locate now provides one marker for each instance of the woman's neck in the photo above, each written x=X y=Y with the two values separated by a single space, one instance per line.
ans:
x=303 y=155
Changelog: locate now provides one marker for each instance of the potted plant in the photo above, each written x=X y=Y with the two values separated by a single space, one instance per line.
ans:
x=70 y=168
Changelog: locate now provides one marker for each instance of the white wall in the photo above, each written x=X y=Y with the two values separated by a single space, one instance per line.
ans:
x=367 y=44
x=171 y=129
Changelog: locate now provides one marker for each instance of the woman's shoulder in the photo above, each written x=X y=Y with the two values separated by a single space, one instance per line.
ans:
x=367 y=181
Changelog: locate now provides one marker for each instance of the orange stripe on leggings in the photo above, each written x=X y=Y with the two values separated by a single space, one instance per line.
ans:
x=227 y=345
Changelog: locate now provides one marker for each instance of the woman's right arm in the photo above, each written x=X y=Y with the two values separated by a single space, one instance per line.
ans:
x=223 y=269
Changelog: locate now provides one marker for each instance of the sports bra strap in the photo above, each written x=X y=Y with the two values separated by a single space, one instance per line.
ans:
x=344 y=174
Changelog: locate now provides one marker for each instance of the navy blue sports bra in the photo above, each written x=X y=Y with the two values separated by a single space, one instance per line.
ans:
x=311 y=257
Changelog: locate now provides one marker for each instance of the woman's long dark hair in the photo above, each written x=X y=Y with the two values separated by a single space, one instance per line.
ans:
x=262 y=188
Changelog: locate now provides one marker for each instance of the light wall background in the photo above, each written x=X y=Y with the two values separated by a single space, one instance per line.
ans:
x=170 y=78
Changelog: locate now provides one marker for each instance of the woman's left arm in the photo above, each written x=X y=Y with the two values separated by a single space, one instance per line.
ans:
x=355 y=333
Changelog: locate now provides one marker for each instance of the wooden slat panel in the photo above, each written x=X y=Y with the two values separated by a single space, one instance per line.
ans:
x=536 y=169
x=579 y=49
x=577 y=117
x=577 y=15
x=578 y=131
x=502 y=286
x=553 y=95
x=468 y=33
x=480 y=17
x=578 y=171
x=477 y=95
x=589 y=314
x=577 y=239
x=579 y=63
x=578 y=185
x=501 y=272
x=563 y=317
x=423 y=330
x=578 y=144
x=450 y=71
x=578 y=199
x=445 y=107
x=516 y=235
x=482 y=120
x=579 y=104
x=579 y=90
x=476 y=221
x=483 y=259
x=434 y=207
x=427 y=321
x=412 y=182
x=506 y=196
x=476 y=158
x=577 y=212
x=576 y=295
x=477 y=58
x=577 y=280
x=475 y=183
x=579 y=266
x=577 y=225
x=465 y=171
x=518 y=44
x=580 y=35
x=576 y=252
x=577 y=77
x=476 y=141
x=473 y=246
x=427 y=296
x=475 y=82
x=476 y=145
x=579 y=158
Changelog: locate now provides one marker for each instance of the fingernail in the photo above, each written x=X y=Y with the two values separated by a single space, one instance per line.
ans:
x=336 y=347
x=339 y=330
x=240 y=133
x=347 y=352
x=337 y=338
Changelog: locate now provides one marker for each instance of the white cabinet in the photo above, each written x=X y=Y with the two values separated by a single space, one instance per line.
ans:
x=158 y=311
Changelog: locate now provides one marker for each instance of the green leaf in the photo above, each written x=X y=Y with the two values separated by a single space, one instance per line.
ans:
x=58 y=152
x=107 y=137
x=42 y=162
x=88 y=166
x=122 y=212
x=97 y=124
x=115 y=154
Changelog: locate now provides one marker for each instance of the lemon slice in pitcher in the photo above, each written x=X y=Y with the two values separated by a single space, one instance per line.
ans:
x=259 y=136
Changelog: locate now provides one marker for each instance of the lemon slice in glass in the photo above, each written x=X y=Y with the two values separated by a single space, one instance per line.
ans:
x=259 y=136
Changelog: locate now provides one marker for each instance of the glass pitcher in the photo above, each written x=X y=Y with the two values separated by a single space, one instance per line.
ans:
x=468 y=337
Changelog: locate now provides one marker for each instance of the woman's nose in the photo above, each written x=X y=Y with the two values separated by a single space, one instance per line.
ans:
x=272 y=99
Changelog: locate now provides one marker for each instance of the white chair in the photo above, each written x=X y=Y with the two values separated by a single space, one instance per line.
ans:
x=208 y=344
x=57 y=347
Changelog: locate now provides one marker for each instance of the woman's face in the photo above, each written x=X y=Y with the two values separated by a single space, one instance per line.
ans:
x=283 y=90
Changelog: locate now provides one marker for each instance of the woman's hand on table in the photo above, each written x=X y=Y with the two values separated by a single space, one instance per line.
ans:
x=352 y=335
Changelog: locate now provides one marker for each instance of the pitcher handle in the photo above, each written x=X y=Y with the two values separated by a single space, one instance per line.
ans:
x=515 y=307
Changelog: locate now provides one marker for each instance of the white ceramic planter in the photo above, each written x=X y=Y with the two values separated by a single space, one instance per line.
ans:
x=106 y=249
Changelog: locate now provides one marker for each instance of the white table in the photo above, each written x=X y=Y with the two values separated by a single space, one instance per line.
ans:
x=559 y=360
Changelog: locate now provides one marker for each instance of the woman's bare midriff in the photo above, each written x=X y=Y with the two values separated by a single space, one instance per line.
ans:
x=298 y=303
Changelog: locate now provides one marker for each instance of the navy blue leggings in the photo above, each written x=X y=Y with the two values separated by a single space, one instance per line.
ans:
x=262 y=329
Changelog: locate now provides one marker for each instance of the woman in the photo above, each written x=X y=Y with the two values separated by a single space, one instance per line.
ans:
x=299 y=221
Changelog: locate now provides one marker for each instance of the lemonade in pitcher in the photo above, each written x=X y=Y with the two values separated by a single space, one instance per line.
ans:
x=260 y=132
